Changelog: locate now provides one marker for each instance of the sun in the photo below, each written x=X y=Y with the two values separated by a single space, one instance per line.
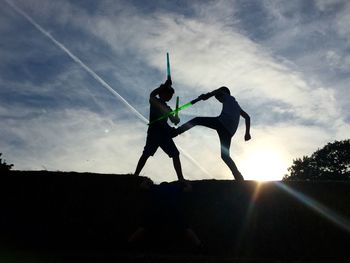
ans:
x=264 y=164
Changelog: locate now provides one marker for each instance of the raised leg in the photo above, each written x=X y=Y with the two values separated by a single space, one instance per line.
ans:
x=210 y=122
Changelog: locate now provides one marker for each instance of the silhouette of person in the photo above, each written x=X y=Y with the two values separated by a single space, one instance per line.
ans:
x=159 y=133
x=225 y=124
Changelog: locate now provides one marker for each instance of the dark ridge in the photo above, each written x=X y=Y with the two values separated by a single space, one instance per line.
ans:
x=90 y=216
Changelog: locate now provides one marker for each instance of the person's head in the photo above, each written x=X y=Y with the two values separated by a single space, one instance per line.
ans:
x=166 y=92
x=222 y=91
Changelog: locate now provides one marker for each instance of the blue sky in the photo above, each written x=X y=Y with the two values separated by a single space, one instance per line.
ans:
x=286 y=62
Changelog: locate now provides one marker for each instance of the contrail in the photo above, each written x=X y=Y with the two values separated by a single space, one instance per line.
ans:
x=93 y=74
x=77 y=60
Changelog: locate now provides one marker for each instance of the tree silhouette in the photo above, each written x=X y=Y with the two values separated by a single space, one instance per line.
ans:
x=332 y=162
x=4 y=167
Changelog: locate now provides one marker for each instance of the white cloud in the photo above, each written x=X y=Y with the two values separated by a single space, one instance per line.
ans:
x=205 y=56
x=325 y=5
x=343 y=22
x=73 y=139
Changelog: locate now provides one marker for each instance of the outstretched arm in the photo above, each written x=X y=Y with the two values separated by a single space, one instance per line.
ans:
x=245 y=115
x=208 y=95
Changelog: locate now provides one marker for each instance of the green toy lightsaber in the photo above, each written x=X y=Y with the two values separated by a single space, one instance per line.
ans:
x=174 y=112
x=177 y=108
x=168 y=67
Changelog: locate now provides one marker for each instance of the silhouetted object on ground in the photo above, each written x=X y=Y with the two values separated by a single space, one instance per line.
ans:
x=225 y=124
x=164 y=216
x=160 y=134
x=4 y=167
x=332 y=162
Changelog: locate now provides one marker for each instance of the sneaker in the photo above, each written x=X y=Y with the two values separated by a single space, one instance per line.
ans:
x=238 y=177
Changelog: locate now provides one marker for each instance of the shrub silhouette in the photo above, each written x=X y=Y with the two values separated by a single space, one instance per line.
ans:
x=4 y=167
x=332 y=162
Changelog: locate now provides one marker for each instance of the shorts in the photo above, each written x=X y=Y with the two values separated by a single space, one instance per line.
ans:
x=160 y=138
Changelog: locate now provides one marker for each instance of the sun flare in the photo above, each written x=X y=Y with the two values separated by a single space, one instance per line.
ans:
x=264 y=164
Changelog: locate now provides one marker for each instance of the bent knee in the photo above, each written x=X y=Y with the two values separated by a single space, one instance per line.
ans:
x=225 y=153
x=174 y=155
x=225 y=156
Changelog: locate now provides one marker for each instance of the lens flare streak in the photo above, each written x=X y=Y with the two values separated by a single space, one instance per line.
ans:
x=324 y=211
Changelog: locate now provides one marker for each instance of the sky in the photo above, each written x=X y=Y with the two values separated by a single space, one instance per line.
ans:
x=75 y=78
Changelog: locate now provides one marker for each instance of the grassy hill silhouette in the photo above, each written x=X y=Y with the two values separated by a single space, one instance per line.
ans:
x=92 y=215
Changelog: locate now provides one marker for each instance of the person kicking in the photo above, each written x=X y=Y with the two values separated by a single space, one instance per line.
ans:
x=225 y=124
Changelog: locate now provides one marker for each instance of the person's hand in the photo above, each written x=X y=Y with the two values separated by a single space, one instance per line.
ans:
x=168 y=82
x=203 y=97
x=247 y=137
x=176 y=121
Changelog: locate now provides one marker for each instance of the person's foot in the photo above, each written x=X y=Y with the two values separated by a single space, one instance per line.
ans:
x=238 y=177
